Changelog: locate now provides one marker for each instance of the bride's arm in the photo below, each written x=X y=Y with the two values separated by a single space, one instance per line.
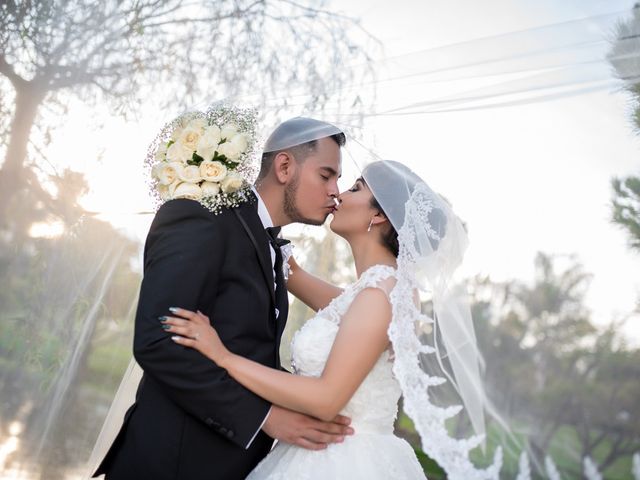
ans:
x=360 y=341
x=311 y=290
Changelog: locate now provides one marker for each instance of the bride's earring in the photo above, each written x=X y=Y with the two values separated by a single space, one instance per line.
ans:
x=370 y=223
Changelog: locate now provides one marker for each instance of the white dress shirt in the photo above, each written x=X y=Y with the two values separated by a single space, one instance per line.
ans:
x=265 y=218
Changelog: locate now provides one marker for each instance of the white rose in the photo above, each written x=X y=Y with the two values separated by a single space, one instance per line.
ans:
x=177 y=152
x=240 y=141
x=190 y=137
x=173 y=186
x=163 y=190
x=213 y=132
x=188 y=190
x=206 y=150
x=198 y=124
x=161 y=153
x=212 y=171
x=231 y=183
x=190 y=174
x=208 y=142
x=228 y=130
x=210 y=189
x=229 y=150
x=169 y=172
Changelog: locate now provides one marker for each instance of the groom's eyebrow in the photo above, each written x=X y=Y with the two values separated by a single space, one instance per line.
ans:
x=331 y=171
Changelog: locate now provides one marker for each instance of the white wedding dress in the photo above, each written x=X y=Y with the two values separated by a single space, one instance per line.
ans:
x=373 y=452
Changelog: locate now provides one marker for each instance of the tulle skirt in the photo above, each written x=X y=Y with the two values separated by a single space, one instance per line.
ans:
x=363 y=456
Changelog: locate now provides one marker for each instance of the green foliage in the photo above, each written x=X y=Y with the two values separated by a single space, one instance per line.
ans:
x=626 y=191
x=431 y=469
x=566 y=383
x=624 y=58
x=626 y=207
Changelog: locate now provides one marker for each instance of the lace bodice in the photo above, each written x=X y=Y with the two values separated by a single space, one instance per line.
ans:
x=374 y=406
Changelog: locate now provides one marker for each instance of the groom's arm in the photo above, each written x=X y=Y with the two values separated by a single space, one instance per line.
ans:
x=182 y=262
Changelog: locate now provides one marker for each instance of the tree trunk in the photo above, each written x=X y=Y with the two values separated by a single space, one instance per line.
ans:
x=12 y=174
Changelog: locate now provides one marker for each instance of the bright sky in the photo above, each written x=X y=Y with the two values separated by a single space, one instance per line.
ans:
x=524 y=178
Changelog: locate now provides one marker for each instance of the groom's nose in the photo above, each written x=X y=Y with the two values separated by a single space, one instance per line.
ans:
x=333 y=189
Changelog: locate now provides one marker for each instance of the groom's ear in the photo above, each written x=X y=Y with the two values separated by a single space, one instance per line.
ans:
x=284 y=167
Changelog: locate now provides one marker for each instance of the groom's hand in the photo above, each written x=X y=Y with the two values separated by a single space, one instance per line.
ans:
x=303 y=431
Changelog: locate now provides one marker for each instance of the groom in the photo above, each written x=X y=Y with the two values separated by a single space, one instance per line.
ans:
x=191 y=420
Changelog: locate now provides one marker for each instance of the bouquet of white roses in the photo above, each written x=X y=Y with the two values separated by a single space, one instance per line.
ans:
x=201 y=158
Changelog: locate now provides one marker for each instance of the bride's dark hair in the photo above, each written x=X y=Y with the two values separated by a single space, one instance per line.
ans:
x=389 y=236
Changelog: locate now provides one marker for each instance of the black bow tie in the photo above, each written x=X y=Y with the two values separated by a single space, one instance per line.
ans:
x=275 y=240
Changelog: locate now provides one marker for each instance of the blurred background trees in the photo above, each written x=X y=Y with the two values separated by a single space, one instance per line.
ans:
x=571 y=383
x=167 y=52
x=626 y=191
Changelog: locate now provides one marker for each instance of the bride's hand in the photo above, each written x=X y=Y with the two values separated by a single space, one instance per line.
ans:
x=193 y=330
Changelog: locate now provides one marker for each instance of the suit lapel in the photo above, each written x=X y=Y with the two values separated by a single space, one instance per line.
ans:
x=283 y=308
x=252 y=225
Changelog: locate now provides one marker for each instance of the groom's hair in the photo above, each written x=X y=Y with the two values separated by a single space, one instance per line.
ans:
x=299 y=152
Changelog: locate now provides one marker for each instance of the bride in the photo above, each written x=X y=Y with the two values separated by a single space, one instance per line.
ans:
x=361 y=351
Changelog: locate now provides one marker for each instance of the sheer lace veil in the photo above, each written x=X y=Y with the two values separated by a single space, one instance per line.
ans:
x=432 y=349
x=124 y=398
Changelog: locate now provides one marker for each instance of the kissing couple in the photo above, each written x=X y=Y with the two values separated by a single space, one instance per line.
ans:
x=214 y=301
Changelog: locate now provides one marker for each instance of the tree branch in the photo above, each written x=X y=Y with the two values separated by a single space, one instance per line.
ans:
x=7 y=70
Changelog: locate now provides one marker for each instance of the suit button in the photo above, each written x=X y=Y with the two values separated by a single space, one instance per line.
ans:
x=230 y=434
x=209 y=421
x=222 y=430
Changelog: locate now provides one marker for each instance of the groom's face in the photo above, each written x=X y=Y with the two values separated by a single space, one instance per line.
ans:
x=309 y=196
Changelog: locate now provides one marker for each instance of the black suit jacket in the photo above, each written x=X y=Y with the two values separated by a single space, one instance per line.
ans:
x=191 y=420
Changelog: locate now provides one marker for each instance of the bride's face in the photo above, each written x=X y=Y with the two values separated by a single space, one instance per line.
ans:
x=355 y=212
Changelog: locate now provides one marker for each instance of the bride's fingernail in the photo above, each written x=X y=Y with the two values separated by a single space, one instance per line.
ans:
x=173 y=309
x=166 y=327
x=163 y=318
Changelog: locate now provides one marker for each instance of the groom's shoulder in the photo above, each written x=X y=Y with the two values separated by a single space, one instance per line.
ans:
x=183 y=210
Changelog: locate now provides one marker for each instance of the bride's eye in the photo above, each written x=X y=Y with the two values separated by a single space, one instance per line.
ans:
x=354 y=188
